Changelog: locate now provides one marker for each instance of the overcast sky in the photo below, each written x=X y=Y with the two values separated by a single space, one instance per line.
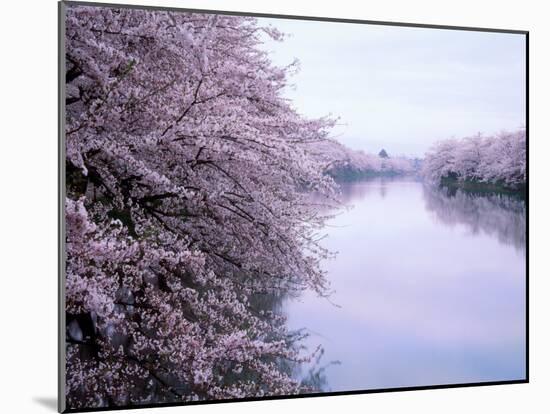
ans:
x=403 y=88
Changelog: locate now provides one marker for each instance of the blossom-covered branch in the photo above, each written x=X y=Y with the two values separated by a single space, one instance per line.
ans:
x=185 y=170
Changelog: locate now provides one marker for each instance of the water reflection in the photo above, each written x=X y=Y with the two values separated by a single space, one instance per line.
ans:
x=313 y=377
x=421 y=300
x=499 y=215
x=349 y=192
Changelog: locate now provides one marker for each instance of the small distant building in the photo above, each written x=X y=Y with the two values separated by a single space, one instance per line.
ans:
x=383 y=154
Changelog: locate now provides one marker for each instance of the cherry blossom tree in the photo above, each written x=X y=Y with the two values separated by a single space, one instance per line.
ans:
x=499 y=159
x=186 y=174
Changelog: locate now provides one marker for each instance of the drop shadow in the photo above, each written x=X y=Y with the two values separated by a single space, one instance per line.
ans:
x=48 y=402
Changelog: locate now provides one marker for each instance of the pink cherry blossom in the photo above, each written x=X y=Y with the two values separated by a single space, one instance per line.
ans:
x=186 y=172
x=499 y=159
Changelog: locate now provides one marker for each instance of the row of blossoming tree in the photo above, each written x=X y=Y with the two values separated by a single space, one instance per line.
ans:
x=345 y=164
x=500 y=159
x=185 y=172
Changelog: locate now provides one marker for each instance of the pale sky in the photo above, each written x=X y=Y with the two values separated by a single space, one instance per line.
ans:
x=403 y=88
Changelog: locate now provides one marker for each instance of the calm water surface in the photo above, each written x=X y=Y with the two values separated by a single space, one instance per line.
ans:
x=430 y=288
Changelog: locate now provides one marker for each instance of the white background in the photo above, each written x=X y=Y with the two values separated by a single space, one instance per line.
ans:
x=28 y=191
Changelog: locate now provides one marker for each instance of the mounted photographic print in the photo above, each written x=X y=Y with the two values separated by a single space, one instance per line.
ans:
x=257 y=207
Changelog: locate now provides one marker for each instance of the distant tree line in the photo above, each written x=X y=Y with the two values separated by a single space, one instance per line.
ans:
x=345 y=164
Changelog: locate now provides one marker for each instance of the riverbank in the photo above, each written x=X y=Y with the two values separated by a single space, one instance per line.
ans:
x=474 y=186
